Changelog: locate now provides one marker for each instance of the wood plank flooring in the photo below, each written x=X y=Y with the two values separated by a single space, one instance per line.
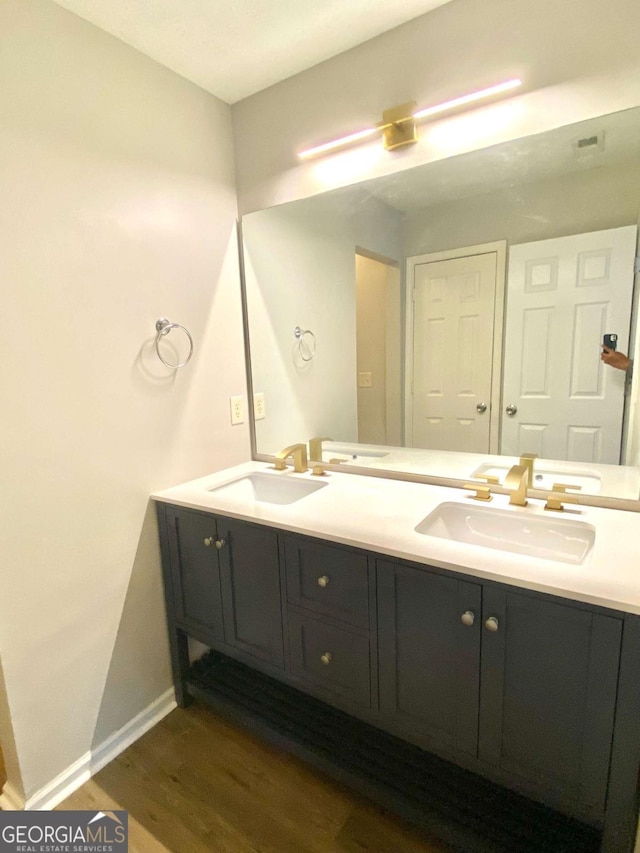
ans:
x=196 y=784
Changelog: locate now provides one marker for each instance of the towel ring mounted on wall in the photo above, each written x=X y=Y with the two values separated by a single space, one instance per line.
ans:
x=300 y=335
x=163 y=327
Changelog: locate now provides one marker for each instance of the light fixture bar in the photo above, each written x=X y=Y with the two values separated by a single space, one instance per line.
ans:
x=468 y=99
x=399 y=129
x=338 y=143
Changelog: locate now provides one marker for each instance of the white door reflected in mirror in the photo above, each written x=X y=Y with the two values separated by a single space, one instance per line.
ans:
x=562 y=294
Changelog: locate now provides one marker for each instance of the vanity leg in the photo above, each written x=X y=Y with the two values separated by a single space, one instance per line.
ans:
x=621 y=812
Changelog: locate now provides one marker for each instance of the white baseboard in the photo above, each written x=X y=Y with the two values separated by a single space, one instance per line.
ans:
x=64 y=784
x=85 y=767
x=134 y=729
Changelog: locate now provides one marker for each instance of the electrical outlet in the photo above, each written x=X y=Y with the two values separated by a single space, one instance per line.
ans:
x=237 y=410
x=259 y=411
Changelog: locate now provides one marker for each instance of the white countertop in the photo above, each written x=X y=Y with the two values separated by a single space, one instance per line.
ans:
x=380 y=515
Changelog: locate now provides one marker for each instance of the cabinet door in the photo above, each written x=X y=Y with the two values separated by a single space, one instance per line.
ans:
x=429 y=657
x=194 y=571
x=250 y=572
x=549 y=680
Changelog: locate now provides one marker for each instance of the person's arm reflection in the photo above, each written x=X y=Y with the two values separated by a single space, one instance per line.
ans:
x=615 y=359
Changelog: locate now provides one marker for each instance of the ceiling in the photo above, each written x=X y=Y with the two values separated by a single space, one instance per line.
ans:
x=234 y=48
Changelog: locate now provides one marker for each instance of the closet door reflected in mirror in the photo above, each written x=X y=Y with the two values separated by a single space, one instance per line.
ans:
x=451 y=352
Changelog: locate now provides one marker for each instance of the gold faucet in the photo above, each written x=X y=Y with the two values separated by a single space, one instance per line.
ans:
x=482 y=492
x=516 y=481
x=527 y=461
x=315 y=448
x=559 y=496
x=298 y=452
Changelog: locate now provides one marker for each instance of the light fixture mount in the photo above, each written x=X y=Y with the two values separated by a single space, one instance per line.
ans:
x=399 y=127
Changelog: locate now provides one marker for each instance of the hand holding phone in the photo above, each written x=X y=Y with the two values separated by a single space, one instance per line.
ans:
x=609 y=354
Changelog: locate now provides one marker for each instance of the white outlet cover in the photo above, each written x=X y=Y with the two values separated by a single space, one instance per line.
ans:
x=237 y=410
x=259 y=411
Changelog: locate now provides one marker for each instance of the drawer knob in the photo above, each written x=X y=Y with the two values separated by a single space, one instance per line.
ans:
x=209 y=540
x=323 y=580
x=326 y=658
x=491 y=624
x=220 y=543
x=468 y=618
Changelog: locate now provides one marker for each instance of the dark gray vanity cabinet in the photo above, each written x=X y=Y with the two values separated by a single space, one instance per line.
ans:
x=225 y=581
x=443 y=696
x=524 y=683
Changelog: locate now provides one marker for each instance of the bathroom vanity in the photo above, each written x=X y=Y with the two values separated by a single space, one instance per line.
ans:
x=489 y=692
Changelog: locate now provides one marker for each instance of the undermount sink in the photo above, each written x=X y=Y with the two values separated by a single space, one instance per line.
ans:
x=355 y=454
x=268 y=488
x=544 y=478
x=517 y=531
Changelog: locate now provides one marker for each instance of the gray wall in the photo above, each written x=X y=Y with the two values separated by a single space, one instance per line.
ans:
x=118 y=206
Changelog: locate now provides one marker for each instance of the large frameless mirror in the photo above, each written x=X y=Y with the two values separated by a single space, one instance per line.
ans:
x=444 y=320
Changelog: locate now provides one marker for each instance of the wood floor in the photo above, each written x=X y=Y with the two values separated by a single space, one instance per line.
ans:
x=3 y=772
x=196 y=783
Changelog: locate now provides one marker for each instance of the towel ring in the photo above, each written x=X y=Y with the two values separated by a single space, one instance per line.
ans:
x=163 y=327
x=300 y=334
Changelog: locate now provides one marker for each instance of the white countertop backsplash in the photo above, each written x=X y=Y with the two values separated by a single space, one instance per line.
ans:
x=380 y=515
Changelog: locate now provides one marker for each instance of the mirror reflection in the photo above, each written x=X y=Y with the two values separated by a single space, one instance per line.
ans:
x=439 y=319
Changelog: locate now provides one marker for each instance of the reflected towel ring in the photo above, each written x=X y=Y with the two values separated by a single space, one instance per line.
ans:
x=163 y=327
x=300 y=335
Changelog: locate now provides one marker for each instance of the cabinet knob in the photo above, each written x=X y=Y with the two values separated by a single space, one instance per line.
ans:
x=326 y=658
x=323 y=580
x=491 y=624
x=209 y=540
x=220 y=543
x=468 y=618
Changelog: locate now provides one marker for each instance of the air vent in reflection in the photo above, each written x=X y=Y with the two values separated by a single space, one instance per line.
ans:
x=588 y=145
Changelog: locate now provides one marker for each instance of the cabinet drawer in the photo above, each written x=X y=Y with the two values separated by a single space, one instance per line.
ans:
x=334 y=659
x=330 y=581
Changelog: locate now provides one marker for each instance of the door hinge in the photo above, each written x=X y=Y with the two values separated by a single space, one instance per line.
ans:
x=636 y=265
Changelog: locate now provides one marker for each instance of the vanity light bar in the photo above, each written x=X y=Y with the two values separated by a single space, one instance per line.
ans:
x=468 y=99
x=405 y=124
x=338 y=143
